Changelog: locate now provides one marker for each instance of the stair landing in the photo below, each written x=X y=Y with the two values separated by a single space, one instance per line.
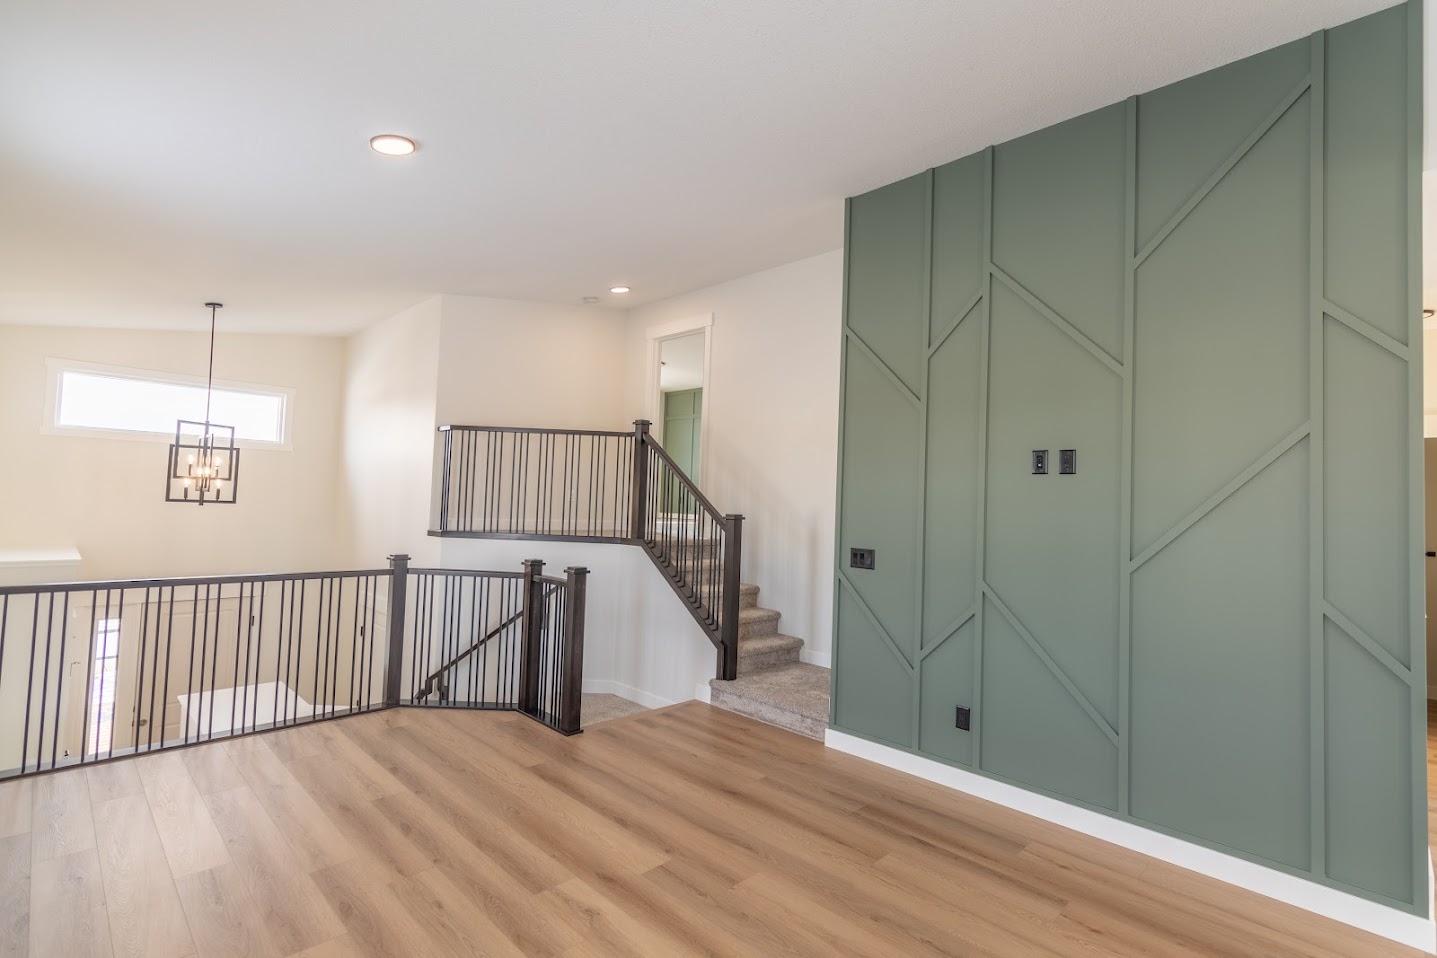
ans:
x=773 y=685
x=794 y=697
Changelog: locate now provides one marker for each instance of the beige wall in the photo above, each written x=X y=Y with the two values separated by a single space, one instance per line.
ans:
x=508 y=363
x=771 y=416
x=105 y=496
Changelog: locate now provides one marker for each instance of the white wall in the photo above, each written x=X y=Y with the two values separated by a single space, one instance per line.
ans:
x=105 y=496
x=771 y=412
x=391 y=385
x=640 y=641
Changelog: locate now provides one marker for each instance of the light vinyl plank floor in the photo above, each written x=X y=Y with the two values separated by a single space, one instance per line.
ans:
x=679 y=831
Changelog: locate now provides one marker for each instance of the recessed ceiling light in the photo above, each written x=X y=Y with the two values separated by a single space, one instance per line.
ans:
x=391 y=144
x=618 y=289
x=590 y=300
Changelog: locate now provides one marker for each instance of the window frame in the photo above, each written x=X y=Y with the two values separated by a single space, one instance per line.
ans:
x=56 y=368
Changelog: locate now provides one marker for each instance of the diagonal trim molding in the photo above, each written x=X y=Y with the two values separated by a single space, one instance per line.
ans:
x=883 y=368
x=1052 y=666
x=949 y=632
x=1367 y=642
x=1222 y=171
x=1217 y=499
x=873 y=620
x=1363 y=328
x=1051 y=315
x=963 y=314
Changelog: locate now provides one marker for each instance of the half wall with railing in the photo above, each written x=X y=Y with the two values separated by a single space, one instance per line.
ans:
x=96 y=670
x=506 y=482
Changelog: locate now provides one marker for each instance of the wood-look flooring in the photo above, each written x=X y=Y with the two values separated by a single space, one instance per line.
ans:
x=682 y=831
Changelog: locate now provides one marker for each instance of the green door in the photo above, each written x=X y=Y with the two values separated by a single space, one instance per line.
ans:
x=682 y=415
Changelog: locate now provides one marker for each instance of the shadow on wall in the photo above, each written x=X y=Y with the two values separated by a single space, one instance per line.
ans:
x=791 y=560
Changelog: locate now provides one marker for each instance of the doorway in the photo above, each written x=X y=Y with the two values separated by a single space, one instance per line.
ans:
x=678 y=363
x=681 y=376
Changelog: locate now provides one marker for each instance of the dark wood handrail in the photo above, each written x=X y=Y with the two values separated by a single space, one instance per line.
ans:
x=428 y=686
x=184 y=581
x=467 y=572
x=537 y=430
x=683 y=478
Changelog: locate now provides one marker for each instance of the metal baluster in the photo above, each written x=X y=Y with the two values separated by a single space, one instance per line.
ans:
x=296 y=655
x=169 y=643
x=139 y=699
x=89 y=679
x=30 y=685
x=254 y=635
x=235 y=688
x=60 y=681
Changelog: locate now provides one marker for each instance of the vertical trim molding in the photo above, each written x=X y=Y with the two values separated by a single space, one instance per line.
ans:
x=837 y=640
x=1316 y=500
x=1416 y=492
x=981 y=539
x=920 y=560
x=1125 y=513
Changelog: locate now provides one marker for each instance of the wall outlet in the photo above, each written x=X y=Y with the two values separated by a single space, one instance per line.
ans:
x=863 y=558
x=1040 y=462
x=962 y=718
x=1067 y=462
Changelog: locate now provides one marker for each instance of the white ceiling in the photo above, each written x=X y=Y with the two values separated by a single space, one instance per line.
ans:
x=158 y=153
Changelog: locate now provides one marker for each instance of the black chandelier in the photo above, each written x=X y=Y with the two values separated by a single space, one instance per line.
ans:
x=204 y=460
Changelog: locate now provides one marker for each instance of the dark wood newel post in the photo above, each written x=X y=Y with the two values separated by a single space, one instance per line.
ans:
x=638 y=514
x=572 y=692
x=444 y=481
x=728 y=635
x=398 y=586
x=533 y=623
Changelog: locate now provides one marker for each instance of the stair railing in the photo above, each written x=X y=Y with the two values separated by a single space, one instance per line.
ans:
x=505 y=482
x=694 y=545
x=91 y=671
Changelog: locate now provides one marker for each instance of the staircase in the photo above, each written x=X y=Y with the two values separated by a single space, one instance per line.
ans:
x=585 y=485
x=773 y=686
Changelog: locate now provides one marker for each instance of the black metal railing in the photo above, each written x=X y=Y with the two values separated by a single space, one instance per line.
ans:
x=95 y=670
x=505 y=640
x=505 y=482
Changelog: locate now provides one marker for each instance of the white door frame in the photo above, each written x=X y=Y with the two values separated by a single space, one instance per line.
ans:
x=653 y=393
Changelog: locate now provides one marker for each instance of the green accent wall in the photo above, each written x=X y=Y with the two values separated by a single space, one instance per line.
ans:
x=1215 y=628
x=683 y=416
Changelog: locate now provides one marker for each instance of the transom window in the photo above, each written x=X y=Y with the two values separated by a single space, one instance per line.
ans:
x=136 y=403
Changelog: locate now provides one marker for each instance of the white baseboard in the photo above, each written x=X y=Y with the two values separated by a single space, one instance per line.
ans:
x=1410 y=930
x=1432 y=691
x=815 y=658
x=704 y=693
x=647 y=699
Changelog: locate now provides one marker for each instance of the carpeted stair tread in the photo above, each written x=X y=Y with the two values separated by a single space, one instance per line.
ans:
x=747 y=595
x=769 y=651
x=767 y=641
x=755 y=622
x=794 y=697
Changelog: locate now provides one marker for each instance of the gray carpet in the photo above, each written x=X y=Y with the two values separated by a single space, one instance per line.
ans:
x=601 y=707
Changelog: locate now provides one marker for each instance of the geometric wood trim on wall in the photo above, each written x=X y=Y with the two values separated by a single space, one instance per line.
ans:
x=1215 y=628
